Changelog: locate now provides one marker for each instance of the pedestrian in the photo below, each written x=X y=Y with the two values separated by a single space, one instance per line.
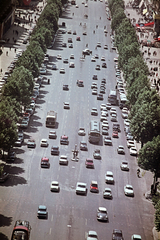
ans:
x=15 y=49
x=7 y=53
x=1 y=70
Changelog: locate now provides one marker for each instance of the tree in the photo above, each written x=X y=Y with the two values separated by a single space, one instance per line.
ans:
x=157 y=216
x=117 y=18
x=47 y=34
x=149 y=158
x=145 y=117
x=37 y=38
x=8 y=127
x=36 y=49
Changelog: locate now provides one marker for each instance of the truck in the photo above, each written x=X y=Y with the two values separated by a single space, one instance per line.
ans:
x=51 y=119
x=21 y=230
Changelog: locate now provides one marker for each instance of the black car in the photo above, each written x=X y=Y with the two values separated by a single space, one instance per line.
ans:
x=117 y=235
x=104 y=65
x=55 y=150
x=65 y=87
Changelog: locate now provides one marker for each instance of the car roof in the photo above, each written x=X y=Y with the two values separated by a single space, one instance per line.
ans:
x=102 y=209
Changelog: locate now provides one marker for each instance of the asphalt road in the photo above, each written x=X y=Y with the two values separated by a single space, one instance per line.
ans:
x=71 y=216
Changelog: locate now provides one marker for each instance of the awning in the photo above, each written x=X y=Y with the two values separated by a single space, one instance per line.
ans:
x=156 y=16
x=144 y=11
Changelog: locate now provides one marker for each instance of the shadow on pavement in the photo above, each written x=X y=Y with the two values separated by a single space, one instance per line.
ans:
x=2 y=236
x=4 y=221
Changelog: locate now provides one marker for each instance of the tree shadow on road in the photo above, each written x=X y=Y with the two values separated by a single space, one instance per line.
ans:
x=4 y=221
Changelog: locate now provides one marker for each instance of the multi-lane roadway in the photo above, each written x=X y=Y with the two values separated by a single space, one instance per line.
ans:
x=71 y=216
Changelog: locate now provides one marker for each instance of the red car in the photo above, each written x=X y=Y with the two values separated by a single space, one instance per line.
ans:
x=89 y=163
x=78 y=39
x=94 y=187
x=45 y=162
x=115 y=134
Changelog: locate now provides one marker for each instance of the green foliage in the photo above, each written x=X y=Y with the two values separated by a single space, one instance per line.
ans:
x=8 y=128
x=36 y=50
x=117 y=18
x=39 y=38
x=46 y=33
x=157 y=216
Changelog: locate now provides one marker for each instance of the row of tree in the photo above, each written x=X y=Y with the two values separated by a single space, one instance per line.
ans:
x=143 y=102
x=17 y=92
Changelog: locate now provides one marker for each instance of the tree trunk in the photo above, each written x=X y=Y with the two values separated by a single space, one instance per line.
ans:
x=142 y=144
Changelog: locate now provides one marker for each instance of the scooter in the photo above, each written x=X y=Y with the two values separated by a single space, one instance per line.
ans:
x=138 y=172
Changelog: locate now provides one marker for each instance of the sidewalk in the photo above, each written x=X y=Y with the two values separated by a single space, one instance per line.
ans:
x=16 y=35
x=153 y=62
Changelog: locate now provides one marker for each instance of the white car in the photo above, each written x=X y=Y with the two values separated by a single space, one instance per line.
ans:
x=44 y=143
x=94 y=111
x=107 y=193
x=128 y=190
x=81 y=188
x=120 y=150
x=108 y=106
x=97 y=67
x=124 y=166
x=103 y=106
x=59 y=57
x=103 y=58
x=136 y=237
x=133 y=151
x=63 y=160
x=130 y=144
x=109 y=177
x=105 y=124
x=62 y=70
x=93 y=59
x=52 y=134
x=54 y=186
x=127 y=122
x=71 y=65
x=66 y=105
x=72 y=56
x=81 y=131
x=92 y=235
x=94 y=91
x=113 y=110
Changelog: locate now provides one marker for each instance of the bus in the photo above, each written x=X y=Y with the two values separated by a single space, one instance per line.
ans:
x=112 y=97
x=94 y=132
x=51 y=119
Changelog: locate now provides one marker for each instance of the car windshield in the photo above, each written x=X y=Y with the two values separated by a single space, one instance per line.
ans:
x=129 y=188
x=82 y=186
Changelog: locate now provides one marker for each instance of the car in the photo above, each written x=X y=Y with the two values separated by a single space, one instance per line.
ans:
x=107 y=193
x=11 y=155
x=109 y=177
x=97 y=154
x=96 y=56
x=70 y=40
x=66 y=105
x=115 y=134
x=63 y=160
x=26 y=118
x=93 y=59
x=94 y=91
x=54 y=186
x=104 y=112
x=18 y=142
x=94 y=187
x=65 y=87
x=94 y=111
x=129 y=136
x=80 y=83
x=78 y=39
x=84 y=33
x=52 y=134
x=31 y=143
x=102 y=106
x=113 y=117
x=44 y=143
x=81 y=131
x=74 y=32
x=86 y=5
x=124 y=115
x=117 y=235
x=94 y=85
x=103 y=58
x=69 y=31
x=107 y=141
x=108 y=106
x=106 y=46
x=42 y=211
x=95 y=77
x=64 y=44
x=3 y=177
x=124 y=166
x=136 y=237
x=92 y=235
x=116 y=127
x=81 y=188
x=105 y=124
x=72 y=56
x=89 y=163
x=102 y=214
x=65 y=60
x=127 y=122
x=77 y=6
x=70 y=45
x=64 y=140
x=104 y=65
x=71 y=65
x=105 y=131
x=55 y=150
x=120 y=150
x=113 y=110
x=128 y=190
x=45 y=162
x=100 y=96
x=83 y=146
x=130 y=143
x=103 y=80
x=62 y=70
x=98 y=67
x=98 y=44
x=133 y=151
x=59 y=57
x=24 y=124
